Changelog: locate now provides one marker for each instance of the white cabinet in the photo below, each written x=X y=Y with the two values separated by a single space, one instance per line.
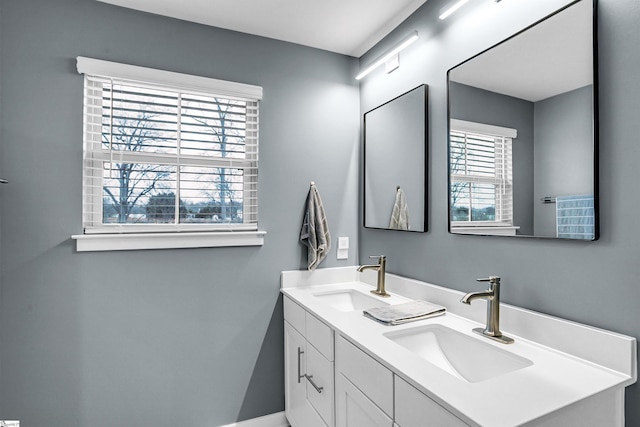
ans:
x=343 y=370
x=298 y=410
x=364 y=389
x=309 y=374
x=369 y=394
x=366 y=392
x=414 y=409
x=354 y=409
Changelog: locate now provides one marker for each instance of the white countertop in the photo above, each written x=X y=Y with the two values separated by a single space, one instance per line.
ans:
x=554 y=380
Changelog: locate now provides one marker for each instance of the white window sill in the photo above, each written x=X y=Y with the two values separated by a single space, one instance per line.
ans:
x=486 y=230
x=137 y=241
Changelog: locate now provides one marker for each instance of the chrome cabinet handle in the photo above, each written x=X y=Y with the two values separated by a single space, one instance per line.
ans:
x=309 y=378
x=300 y=376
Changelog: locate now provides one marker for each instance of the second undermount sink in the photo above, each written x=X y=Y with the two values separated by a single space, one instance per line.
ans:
x=350 y=300
x=465 y=357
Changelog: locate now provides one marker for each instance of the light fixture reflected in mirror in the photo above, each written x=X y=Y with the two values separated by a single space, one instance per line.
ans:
x=450 y=10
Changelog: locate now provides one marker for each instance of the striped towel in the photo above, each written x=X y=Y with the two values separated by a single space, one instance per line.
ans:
x=400 y=214
x=406 y=312
x=575 y=217
x=314 y=233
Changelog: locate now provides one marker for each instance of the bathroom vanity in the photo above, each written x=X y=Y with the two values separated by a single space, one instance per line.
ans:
x=345 y=370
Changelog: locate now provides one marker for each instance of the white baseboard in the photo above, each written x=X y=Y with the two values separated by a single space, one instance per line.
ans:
x=274 y=420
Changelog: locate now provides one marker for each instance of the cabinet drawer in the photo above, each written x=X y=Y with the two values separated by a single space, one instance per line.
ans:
x=320 y=336
x=294 y=314
x=414 y=409
x=368 y=375
x=320 y=373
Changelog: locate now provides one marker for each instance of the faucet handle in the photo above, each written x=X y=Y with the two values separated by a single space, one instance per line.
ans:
x=491 y=279
x=380 y=257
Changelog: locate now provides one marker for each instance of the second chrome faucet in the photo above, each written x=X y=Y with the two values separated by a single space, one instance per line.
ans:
x=492 y=295
x=380 y=267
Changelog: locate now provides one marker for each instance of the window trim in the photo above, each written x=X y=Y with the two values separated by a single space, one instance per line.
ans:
x=473 y=127
x=217 y=235
x=137 y=241
x=108 y=69
x=464 y=126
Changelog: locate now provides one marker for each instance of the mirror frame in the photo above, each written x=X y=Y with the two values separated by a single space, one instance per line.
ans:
x=424 y=221
x=595 y=123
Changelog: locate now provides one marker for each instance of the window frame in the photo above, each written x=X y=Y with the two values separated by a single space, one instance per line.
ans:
x=508 y=135
x=97 y=236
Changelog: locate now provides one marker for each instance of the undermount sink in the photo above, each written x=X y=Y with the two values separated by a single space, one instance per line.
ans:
x=350 y=300
x=465 y=357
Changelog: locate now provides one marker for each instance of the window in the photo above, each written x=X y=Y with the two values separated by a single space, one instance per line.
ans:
x=167 y=153
x=481 y=175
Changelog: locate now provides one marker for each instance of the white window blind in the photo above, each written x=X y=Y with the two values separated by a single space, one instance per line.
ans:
x=481 y=171
x=166 y=152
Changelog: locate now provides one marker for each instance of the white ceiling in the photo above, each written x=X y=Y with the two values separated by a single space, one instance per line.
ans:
x=551 y=58
x=349 y=27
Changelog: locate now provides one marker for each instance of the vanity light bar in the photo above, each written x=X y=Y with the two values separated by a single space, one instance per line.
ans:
x=384 y=58
x=450 y=10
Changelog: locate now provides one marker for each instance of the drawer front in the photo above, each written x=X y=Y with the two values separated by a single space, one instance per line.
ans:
x=294 y=314
x=414 y=409
x=320 y=374
x=368 y=375
x=320 y=336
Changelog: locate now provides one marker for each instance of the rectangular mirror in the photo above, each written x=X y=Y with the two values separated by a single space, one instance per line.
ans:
x=395 y=158
x=523 y=130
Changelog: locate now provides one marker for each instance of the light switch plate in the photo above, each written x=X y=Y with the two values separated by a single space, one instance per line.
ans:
x=343 y=243
x=343 y=248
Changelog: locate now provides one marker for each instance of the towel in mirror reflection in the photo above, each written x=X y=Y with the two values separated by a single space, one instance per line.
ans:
x=400 y=214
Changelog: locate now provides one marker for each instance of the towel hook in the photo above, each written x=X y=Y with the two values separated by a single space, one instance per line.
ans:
x=313 y=183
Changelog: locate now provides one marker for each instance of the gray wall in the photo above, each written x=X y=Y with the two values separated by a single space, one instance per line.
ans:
x=590 y=282
x=166 y=337
x=563 y=152
x=482 y=106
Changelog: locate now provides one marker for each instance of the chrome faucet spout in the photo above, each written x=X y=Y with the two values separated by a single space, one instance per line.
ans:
x=368 y=267
x=476 y=295
x=492 y=295
x=381 y=269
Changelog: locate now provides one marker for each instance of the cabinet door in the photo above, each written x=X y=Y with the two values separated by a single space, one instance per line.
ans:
x=354 y=409
x=320 y=383
x=298 y=410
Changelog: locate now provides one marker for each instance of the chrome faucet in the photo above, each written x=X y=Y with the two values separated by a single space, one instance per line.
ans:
x=492 y=295
x=380 y=267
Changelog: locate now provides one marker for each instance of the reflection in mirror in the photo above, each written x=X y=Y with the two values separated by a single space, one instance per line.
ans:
x=523 y=133
x=394 y=163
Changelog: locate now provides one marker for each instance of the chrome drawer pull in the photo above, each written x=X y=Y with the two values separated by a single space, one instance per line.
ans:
x=318 y=389
x=300 y=353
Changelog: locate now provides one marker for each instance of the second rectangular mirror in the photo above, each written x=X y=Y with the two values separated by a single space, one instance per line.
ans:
x=523 y=133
